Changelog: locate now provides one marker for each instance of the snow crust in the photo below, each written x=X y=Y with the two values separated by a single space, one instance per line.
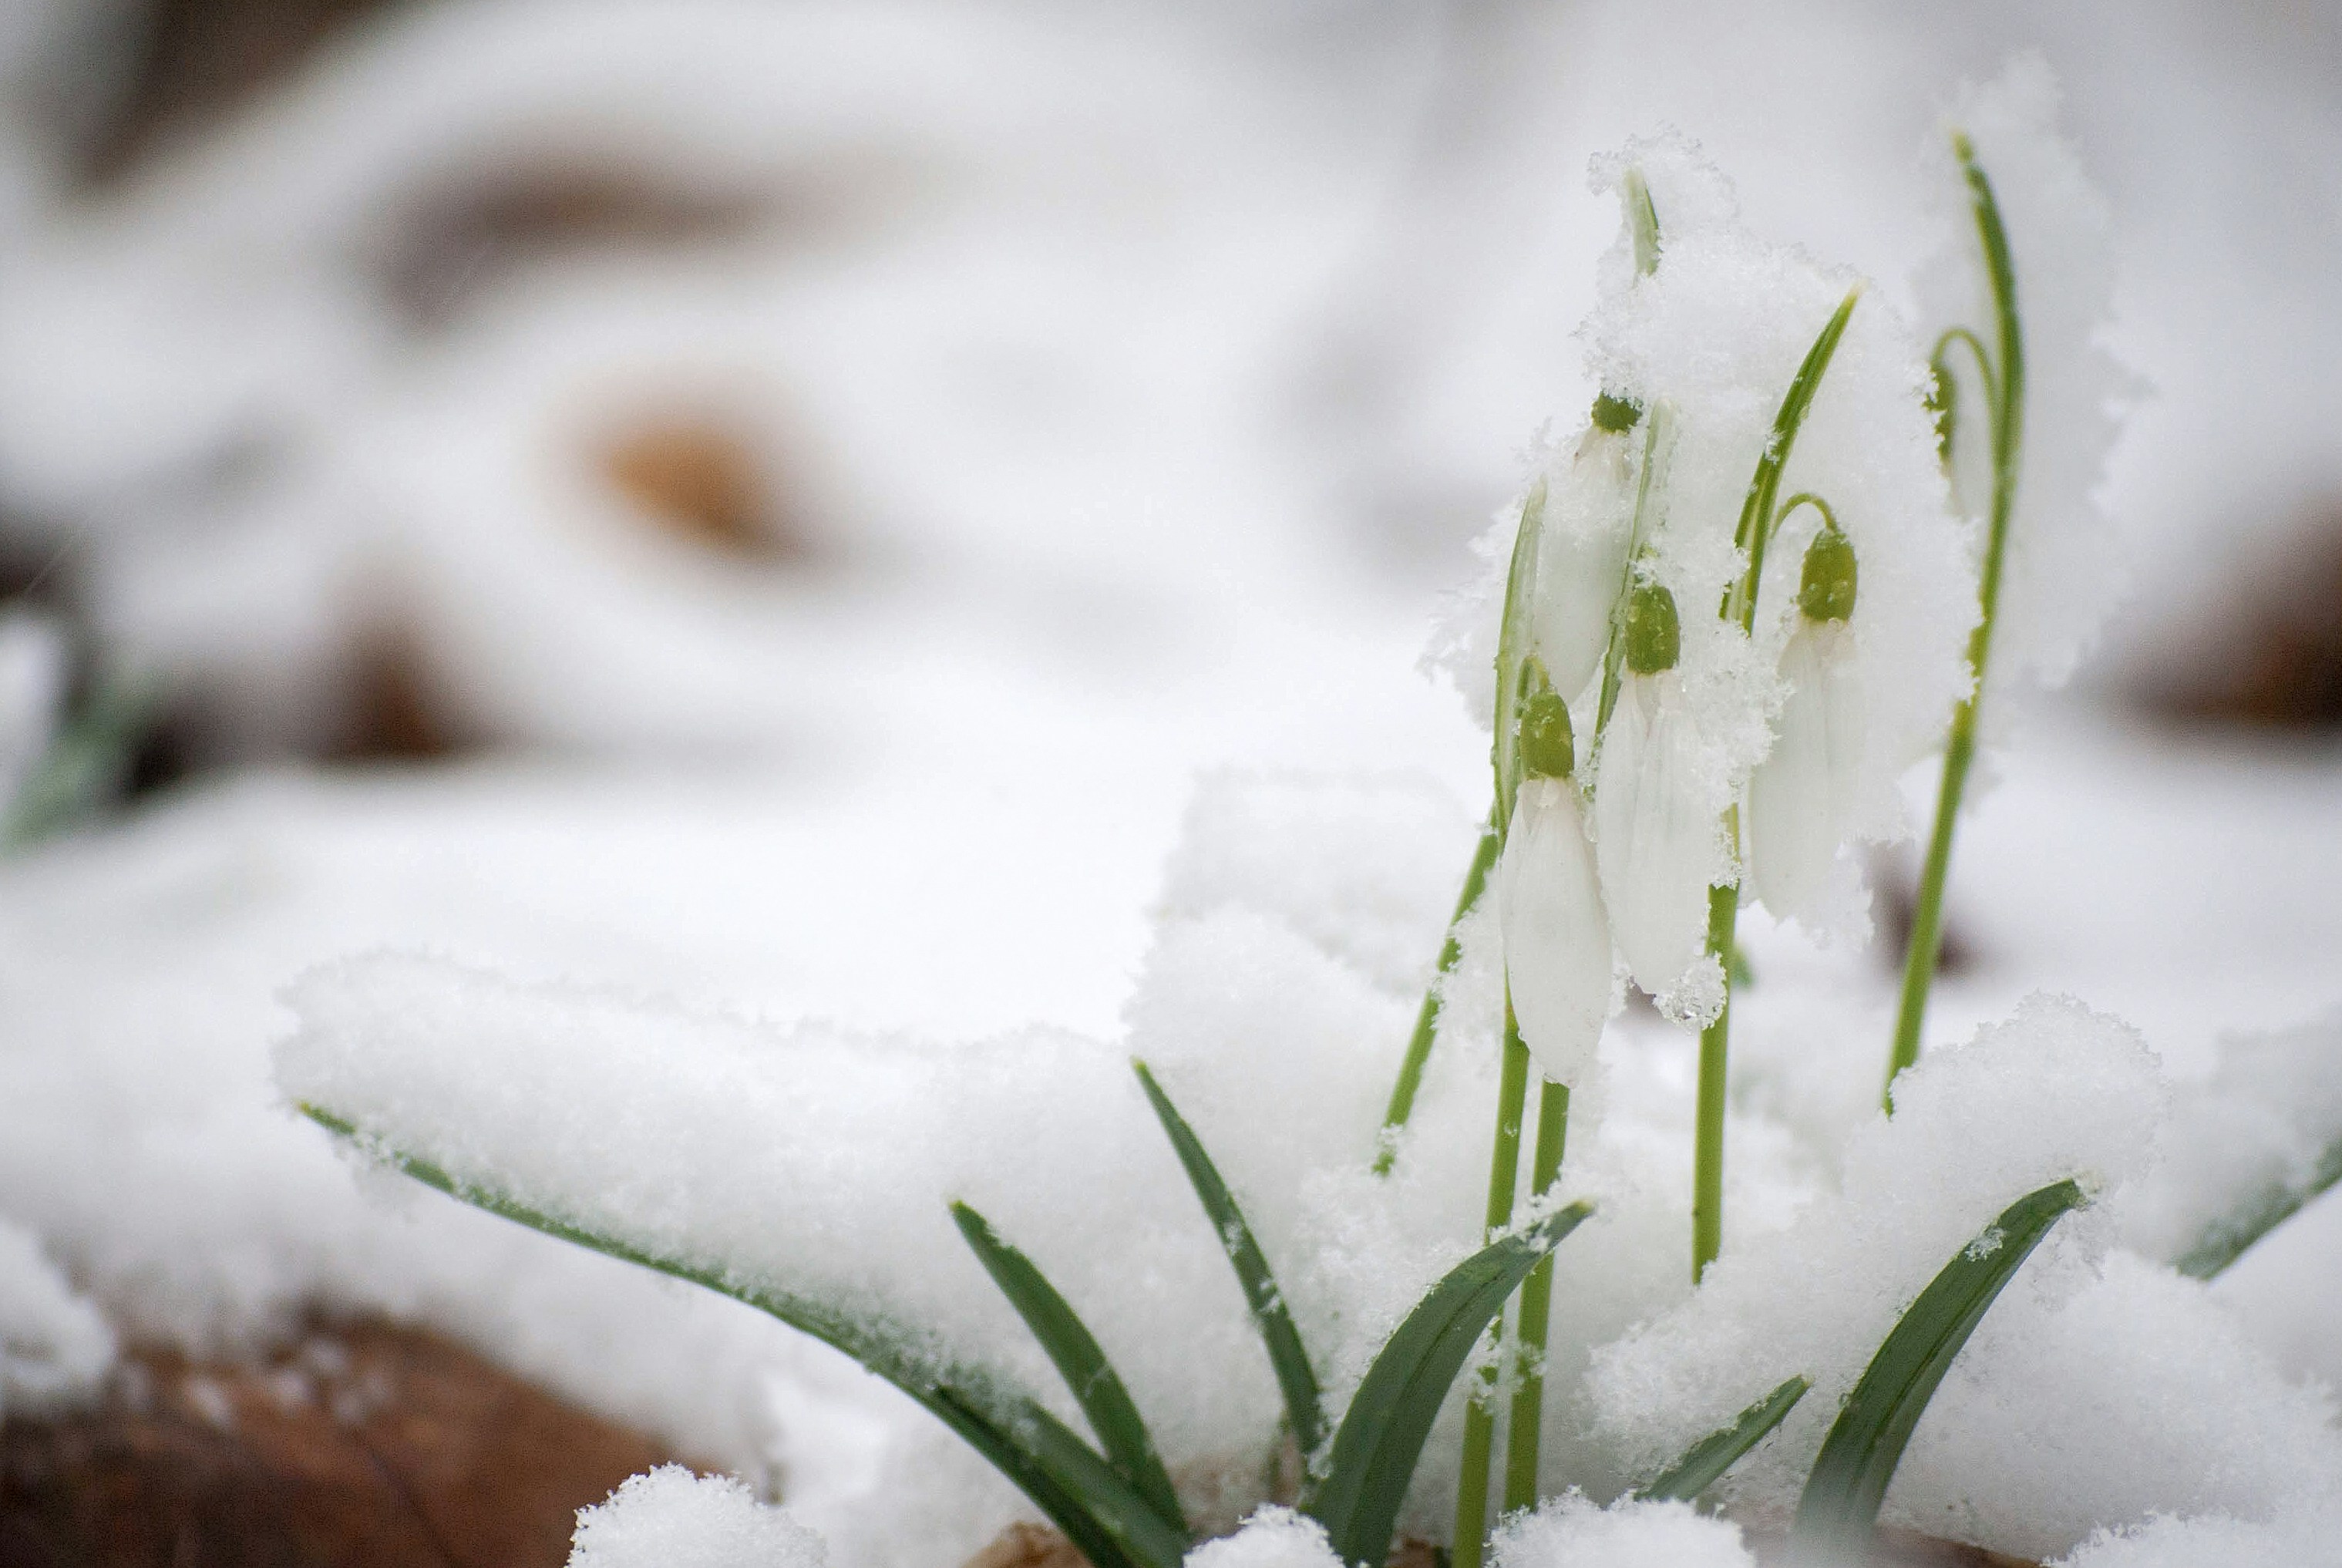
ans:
x=1572 y=1532
x=670 y=1518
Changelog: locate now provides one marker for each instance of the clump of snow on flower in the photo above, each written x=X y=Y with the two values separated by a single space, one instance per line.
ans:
x=2064 y=568
x=1273 y=1537
x=54 y=1346
x=671 y=1518
x=1717 y=335
x=1571 y=1532
x=1708 y=344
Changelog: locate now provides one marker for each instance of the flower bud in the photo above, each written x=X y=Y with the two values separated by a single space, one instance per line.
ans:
x=1826 y=590
x=1617 y=415
x=1548 y=747
x=1653 y=633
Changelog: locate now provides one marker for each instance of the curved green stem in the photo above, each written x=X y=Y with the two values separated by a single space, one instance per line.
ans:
x=1427 y=1019
x=1479 y=1413
x=1938 y=363
x=2007 y=383
x=1804 y=498
x=1526 y=1427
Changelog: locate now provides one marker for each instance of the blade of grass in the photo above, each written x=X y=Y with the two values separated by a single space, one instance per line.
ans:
x=1097 y=1388
x=1839 y=1507
x=1304 y=1406
x=1382 y=1434
x=1705 y=1462
x=1100 y=1512
x=2225 y=1239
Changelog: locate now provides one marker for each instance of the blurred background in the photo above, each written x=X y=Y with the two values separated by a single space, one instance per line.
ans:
x=984 y=417
x=854 y=383
x=775 y=503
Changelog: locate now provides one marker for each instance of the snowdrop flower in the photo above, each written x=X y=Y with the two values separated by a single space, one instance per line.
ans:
x=1803 y=798
x=1557 y=936
x=1654 y=835
x=1582 y=555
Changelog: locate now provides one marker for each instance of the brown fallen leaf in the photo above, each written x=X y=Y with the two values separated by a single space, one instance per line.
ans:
x=366 y=1445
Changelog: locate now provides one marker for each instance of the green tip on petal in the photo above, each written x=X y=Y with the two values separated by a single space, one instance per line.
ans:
x=1654 y=633
x=1617 y=415
x=1825 y=591
x=1548 y=745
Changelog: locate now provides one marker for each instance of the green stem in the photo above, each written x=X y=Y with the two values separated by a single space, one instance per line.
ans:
x=1479 y=1412
x=1760 y=515
x=1707 y=1136
x=1427 y=1019
x=2004 y=384
x=1526 y=1428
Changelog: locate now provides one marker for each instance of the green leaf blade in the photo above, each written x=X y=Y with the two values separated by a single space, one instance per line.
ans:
x=2227 y=1238
x=1100 y=1512
x=1702 y=1464
x=1383 y=1433
x=1288 y=1358
x=1097 y=1388
x=1848 y=1482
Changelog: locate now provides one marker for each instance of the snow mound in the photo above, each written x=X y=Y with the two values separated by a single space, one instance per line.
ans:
x=670 y=1518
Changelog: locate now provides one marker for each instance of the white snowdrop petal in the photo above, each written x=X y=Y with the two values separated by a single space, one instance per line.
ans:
x=1582 y=557
x=1653 y=833
x=1557 y=937
x=1803 y=797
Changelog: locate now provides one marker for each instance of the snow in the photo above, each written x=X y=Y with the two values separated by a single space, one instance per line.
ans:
x=1273 y=1537
x=2305 y=1539
x=1571 y=1532
x=54 y=1348
x=671 y=1518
